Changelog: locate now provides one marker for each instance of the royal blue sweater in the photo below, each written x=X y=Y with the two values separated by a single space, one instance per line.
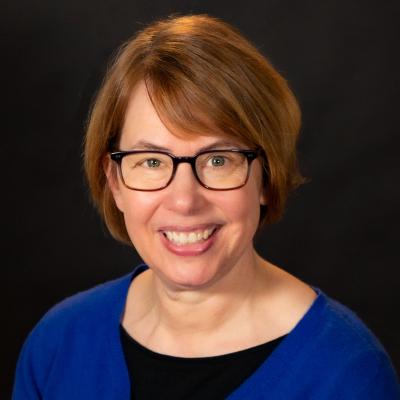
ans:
x=75 y=353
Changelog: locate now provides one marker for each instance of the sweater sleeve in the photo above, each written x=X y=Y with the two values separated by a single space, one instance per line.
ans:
x=25 y=385
x=368 y=376
x=34 y=363
x=384 y=385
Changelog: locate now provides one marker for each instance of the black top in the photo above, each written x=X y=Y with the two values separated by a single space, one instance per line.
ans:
x=159 y=376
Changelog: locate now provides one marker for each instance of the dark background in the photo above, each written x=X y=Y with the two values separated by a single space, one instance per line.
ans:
x=341 y=230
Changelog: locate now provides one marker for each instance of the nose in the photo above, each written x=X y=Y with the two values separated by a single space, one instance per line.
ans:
x=185 y=195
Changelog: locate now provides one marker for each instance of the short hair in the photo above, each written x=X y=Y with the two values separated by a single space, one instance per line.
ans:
x=203 y=77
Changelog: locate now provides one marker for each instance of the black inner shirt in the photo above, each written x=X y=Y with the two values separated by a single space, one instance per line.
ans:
x=159 y=376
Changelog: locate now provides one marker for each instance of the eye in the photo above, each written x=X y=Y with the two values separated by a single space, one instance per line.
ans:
x=217 y=161
x=152 y=163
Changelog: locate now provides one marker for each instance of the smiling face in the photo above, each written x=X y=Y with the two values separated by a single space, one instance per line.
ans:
x=189 y=236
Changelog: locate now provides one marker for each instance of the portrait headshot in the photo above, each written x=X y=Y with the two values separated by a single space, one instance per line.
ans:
x=204 y=202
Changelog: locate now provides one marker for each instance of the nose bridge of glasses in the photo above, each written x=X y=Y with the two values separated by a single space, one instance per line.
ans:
x=185 y=160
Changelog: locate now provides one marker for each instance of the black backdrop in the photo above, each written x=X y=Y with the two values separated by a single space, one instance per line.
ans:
x=340 y=232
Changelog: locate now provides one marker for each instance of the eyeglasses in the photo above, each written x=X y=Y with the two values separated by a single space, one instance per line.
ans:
x=214 y=169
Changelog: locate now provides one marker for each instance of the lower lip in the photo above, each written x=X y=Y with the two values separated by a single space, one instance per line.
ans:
x=189 y=249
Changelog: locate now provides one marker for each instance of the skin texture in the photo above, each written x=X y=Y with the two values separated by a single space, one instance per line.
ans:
x=223 y=296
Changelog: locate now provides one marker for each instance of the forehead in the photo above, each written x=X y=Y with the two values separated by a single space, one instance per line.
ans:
x=140 y=114
x=142 y=124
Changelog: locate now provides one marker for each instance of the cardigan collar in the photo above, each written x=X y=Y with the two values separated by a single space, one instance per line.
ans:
x=268 y=372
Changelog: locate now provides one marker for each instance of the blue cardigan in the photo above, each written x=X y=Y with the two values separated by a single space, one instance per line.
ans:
x=75 y=353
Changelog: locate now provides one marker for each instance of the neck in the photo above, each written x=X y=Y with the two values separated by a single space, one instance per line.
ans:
x=195 y=315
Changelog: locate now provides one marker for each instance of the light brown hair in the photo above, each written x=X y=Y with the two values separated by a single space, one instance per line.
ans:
x=203 y=77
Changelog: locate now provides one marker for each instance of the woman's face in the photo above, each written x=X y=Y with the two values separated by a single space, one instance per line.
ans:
x=185 y=207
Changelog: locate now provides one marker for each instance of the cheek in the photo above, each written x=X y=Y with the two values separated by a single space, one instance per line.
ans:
x=242 y=210
x=139 y=207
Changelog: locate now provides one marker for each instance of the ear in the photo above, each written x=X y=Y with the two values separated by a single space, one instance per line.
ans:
x=263 y=197
x=113 y=181
x=264 y=186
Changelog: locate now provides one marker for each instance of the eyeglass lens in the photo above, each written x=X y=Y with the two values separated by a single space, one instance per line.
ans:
x=216 y=170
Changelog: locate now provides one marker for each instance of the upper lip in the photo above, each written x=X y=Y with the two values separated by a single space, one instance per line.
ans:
x=191 y=228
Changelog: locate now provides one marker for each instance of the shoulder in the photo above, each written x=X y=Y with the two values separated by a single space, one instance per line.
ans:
x=86 y=305
x=78 y=313
x=345 y=329
x=328 y=326
x=349 y=352
x=104 y=302
x=332 y=328
x=66 y=332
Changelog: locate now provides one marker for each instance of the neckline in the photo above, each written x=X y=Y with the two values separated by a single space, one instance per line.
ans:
x=217 y=358
x=296 y=342
x=273 y=367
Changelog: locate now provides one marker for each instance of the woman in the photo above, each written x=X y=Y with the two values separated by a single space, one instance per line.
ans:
x=190 y=147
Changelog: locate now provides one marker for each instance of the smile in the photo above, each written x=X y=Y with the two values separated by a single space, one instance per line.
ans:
x=182 y=238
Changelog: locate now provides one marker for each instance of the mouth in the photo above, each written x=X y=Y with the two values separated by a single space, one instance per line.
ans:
x=189 y=237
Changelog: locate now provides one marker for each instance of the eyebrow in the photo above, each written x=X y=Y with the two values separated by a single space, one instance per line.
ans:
x=145 y=145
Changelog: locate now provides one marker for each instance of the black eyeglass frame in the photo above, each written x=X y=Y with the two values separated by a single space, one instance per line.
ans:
x=250 y=155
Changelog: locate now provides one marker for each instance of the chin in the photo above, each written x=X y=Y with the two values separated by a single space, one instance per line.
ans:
x=189 y=275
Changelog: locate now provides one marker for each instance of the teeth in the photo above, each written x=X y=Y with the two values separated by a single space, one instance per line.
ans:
x=182 y=238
